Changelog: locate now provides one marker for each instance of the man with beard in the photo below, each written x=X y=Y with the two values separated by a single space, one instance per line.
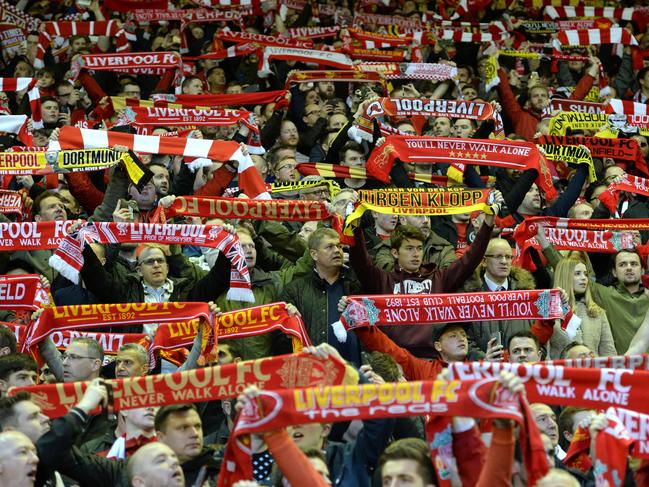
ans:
x=160 y=179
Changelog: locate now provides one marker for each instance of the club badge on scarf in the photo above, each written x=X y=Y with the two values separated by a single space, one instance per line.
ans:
x=419 y=201
x=68 y=258
x=202 y=384
x=23 y=292
x=426 y=309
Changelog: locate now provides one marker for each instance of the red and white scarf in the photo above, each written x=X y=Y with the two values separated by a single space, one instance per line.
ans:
x=16 y=124
x=211 y=101
x=575 y=12
x=614 y=35
x=131 y=5
x=11 y=203
x=68 y=258
x=263 y=40
x=325 y=58
x=627 y=107
x=108 y=28
x=313 y=32
x=180 y=117
x=630 y=184
x=10 y=14
x=23 y=292
x=427 y=71
x=29 y=84
x=427 y=309
x=203 y=150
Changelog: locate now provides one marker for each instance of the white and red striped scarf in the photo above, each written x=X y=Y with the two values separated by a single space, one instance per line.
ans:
x=263 y=40
x=16 y=124
x=29 y=84
x=428 y=71
x=334 y=59
x=576 y=12
x=10 y=14
x=313 y=32
x=627 y=107
x=204 y=150
x=587 y=37
x=108 y=28
x=379 y=40
x=181 y=117
x=68 y=257
x=464 y=36
x=229 y=52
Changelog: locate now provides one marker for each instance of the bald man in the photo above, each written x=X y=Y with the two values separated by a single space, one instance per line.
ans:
x=155 y=465
x=18 y=461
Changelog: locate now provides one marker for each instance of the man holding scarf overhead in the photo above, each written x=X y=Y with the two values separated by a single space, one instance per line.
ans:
x=411 y=277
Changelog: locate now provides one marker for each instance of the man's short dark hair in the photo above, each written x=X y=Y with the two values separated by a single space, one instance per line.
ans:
x=15 y=362
x=566 y=422
x=525 y=334
x=403 y=232
x=8 y=338
x=414 y=449
x=162 y=416
x=7 y=407
x=350 y=145
x=36 y=206
x=384 y=365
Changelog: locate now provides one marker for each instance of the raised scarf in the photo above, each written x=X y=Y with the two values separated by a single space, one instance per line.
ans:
x=407 y=309
x=326 y=58
x=606 y=236
x=68 y=257
x=569 y=155
x=374 y=54
x=419 y=201
x=149 y=63
x=33 y=93
x=257 y=320
x=612 y=446
x=217 y=207
x=11 y=203
x=23 y=292
x=630 y=184
x=313 y=32
x=279 y=409
x=565 y=386
x=10 y=13
x=373 y=40
x=549 y=27
x=507 y=153
x=262 y=40
x=108 y=28
x=131 y=5
x=212 y=150
x=562 y=105
x=205 y=100
x=557 y=12
x=619 y=362
x=620 y=149
x=291 y=187
x=588 y=37
x=202 y=384
x=175 y=117
x=349 y=75
x=88 y=316
x=426 y=71
x=337 y=171
x=32 y=235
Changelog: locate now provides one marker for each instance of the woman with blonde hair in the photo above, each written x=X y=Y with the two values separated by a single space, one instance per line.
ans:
x=594 y=331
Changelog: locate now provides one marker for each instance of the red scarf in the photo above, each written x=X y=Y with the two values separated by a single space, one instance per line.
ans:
x=68 y=258
x=23 y=292
x=553 y=12
x=262 y=40
x=620 y=149
x=33 y=93
x=620 y=362
x=313 y=32
x=573 y=234
x=213 y=101
x=242 y=323
x=630 y=184
x=150 y=63
x=279 y=409
x=11 y=203
x=350 y=76
x=612 y=446
x=564 y=386
x=427 y=309
x=217 y=207
x=203 y=384
x=88 y=316
x=205 y=150
x=561 y=105
x=510 y=154
x=427 y=71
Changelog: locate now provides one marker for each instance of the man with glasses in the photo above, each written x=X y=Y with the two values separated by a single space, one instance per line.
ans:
x=498 y=274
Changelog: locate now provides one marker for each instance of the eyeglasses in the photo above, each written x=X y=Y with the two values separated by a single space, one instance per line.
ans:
x=643 y=144
x=508 y=258
x=74 y=357
x=153 y=261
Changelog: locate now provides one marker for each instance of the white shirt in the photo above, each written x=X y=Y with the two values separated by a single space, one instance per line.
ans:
x=495 y=287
